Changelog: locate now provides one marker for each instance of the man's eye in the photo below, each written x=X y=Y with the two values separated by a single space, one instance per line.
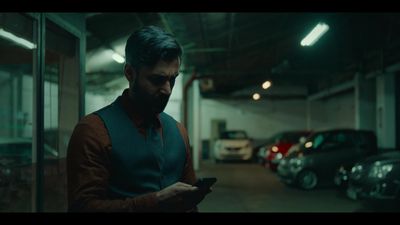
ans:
x=172 y=81
x=161 y=80
x=158 y=80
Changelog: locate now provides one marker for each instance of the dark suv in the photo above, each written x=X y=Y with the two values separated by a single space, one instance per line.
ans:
x=322 y=153
x=376 y=178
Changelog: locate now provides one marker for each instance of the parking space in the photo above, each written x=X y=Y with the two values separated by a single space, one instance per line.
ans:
x=248 y=187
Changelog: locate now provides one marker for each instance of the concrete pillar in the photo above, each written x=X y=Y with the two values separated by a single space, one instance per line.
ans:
x=397 y=88
x=197 y=153
x=365 y=103
x=308 y=114
x=190 y=118
x=385 y=110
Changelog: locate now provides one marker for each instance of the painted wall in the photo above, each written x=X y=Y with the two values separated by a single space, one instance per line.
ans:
x=261 y=119
x=333 y=112
x=385 y=106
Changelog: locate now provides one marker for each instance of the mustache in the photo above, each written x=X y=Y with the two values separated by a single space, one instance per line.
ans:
x=163 y=97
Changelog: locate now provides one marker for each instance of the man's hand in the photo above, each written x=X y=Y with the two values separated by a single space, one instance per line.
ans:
x=192 y=199
x=172 y=198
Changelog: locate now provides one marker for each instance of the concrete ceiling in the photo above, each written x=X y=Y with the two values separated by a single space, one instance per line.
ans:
x=239 y=51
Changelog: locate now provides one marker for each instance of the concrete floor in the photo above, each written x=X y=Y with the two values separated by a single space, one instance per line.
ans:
x=248 y=187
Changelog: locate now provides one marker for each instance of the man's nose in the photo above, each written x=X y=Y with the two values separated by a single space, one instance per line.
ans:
x=166 y=89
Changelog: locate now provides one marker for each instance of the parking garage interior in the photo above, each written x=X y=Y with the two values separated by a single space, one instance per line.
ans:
x=249 y=76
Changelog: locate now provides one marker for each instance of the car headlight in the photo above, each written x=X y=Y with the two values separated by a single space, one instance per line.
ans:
x=356 y=171
x=380 y=171
x=356 y=168
x=279 y=156
x=296 y=162
x=275 y=149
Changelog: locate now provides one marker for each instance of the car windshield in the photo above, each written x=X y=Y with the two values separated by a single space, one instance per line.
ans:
x=314 y=141
x=289 y=137
x=234 y=135
x=292 y=137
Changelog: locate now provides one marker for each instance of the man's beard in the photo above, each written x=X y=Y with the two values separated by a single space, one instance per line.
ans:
x=149 y=103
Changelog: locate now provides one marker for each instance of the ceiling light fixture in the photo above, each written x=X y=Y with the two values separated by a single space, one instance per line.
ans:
x=266 y=84
x=20 y=41
x=118 y=58
x=315 y=34
x=256 y=96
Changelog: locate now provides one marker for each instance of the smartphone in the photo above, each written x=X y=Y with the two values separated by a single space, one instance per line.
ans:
x=205 y=183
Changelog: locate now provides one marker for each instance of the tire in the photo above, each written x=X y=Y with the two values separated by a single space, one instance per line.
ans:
x=307 y=180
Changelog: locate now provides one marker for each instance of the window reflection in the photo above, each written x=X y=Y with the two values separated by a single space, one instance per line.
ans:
x=16 y=111
x=61 y=110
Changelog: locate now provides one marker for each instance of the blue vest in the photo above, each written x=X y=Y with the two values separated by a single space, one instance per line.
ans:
x=141 y=165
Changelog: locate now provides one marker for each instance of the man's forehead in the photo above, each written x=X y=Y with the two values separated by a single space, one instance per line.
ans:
x=165 y=67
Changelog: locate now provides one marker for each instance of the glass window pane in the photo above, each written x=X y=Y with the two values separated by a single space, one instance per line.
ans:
x=61 y=111
x=17 y=50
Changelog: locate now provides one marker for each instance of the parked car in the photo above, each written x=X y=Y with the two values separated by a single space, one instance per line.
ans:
x=323 y=152
x=341 y=178
x=296 y=147
x=376 y=178
x=283 y=142
x=260 y=151
x=233 y=145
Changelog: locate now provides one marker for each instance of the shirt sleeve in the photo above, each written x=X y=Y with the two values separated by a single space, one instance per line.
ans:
x=188 y=175
x=88 y=169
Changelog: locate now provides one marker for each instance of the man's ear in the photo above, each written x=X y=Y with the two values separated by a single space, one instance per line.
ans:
x=129 y=72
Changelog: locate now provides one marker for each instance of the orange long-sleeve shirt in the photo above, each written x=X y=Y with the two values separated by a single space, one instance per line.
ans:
x=89 y=163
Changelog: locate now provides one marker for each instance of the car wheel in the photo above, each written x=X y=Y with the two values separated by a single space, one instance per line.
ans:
x=307 y=180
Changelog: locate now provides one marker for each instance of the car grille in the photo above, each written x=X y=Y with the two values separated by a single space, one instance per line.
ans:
x=233 y=149
x=358 y=175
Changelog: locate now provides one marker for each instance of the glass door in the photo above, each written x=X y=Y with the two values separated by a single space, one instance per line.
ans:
x=18 y=48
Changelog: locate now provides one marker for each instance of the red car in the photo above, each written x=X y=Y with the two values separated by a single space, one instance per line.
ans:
x=283 y=142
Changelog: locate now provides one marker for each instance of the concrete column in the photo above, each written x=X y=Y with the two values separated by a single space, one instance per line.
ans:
x=385 y=110
x=308 y=114
x=197 y=153
x=365 y=103
x=397 y=88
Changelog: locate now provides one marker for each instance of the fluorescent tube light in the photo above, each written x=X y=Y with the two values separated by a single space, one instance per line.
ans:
x=20 y=41
x=315 y=34
x=118 y=58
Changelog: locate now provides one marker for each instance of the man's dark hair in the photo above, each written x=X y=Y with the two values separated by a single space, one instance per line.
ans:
x=150 y=44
